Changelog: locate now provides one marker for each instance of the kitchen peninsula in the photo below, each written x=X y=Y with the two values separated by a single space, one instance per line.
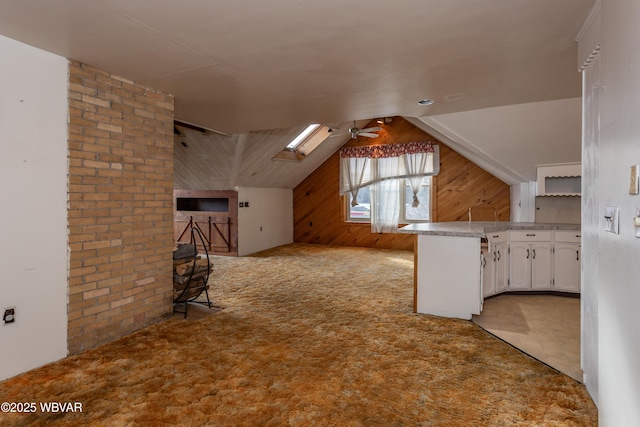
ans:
x=451 y=260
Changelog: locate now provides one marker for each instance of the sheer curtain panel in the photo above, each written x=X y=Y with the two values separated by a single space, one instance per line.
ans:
x=383 y=168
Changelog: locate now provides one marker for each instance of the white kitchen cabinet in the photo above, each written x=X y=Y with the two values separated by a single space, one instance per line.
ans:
x=501 y=267
x=495 y=264
x=494 y=269
x=559 y=179
x=488 y=271
x=541 y=266
x=530 y=266
x=519 y=266
x=566 y=260
x=458 y=291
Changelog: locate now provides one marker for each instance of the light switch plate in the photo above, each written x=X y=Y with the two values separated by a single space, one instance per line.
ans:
x=634 y=187
x=611 y=219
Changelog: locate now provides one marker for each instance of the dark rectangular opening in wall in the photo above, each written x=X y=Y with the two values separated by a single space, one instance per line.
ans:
x=207 y=204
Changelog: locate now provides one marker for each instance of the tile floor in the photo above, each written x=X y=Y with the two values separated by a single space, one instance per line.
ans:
x=546 y=327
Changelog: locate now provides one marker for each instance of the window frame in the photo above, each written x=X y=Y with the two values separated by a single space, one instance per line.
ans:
x=403 y=203
x=403 y=212
x=347 y=211
x=304 y=143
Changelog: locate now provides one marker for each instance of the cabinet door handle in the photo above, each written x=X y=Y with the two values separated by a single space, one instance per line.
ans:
x=495 y=236
x=534 y=254
x=528 y=254
x=531 y=235
x=498 y=255
x=577 y=255
x=494 y=256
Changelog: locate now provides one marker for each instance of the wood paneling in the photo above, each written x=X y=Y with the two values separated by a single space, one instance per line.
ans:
x=461 y=185
x=220 y=229
x=206 y=160
x=319 y=209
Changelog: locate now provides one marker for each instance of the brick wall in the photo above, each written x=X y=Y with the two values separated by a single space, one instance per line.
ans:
x=120 y=210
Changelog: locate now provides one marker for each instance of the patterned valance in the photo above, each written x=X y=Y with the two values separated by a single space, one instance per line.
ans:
x=388 y=150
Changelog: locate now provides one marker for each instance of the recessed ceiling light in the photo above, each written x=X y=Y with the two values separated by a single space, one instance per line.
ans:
x=425 y=102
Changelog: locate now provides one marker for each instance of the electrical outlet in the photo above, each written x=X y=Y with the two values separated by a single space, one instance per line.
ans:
x=9 y=315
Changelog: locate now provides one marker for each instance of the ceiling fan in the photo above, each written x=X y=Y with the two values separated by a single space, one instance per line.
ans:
x=355 y=132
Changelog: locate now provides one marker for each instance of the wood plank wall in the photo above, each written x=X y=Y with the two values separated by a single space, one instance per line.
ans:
x=319 y=210
x=226 y=227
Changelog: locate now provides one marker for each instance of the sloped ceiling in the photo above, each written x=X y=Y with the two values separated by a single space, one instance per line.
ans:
x=510 y=141
x=207 y=160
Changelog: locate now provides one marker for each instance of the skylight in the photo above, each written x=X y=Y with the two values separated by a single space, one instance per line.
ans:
x=304 y=143
x=301 y=136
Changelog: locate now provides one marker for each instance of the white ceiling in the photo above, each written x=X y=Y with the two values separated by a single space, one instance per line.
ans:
x=503 y=74
x=510 y=141
x=239 y=66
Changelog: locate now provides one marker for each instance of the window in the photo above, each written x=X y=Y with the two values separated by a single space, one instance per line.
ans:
x=388 y=185
x=301 y=136
x=421 y=213
x=304 y=143
x=362 y=211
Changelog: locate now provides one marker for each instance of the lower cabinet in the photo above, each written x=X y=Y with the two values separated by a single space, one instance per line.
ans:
x=566 y=258
x=530 y=266
x=495 y=265
x=502 y=266
x=488 y=270
x=521 y=260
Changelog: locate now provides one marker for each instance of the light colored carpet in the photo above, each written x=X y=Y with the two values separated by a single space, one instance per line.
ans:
x=310 y=336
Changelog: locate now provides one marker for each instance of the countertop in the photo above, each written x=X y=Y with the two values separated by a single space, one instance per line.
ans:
x=479 y=228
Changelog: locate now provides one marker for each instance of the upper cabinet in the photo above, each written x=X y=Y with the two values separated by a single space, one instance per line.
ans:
x=559 y=180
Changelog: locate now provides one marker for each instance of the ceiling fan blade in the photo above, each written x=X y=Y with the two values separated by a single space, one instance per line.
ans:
x=374 y=129
x=334 y=127
x=368 y=135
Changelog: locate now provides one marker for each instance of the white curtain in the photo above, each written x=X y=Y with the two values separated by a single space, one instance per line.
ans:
x=382 y=167
x=385 y=195
x=417 y=166
x=355 y=173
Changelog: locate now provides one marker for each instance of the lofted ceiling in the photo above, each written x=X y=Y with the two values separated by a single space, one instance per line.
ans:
x=208 y=160
x=241 y=67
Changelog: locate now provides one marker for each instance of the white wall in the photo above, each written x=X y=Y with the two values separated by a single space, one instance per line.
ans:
x=515 y=138
x=267 y=222
x=616 y=288
x=523 y=202
x=33 y=218
x=591 y=206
